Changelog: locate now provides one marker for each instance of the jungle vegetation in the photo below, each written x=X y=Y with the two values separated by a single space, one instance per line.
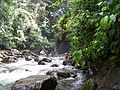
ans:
x=92 y=26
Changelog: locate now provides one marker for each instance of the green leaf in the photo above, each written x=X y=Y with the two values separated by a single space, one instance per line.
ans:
x=77 y=55
x=114 y=43
x=7 y=1
x=99 y=3
x=104 y=23
x=112 y=18
x=104 y=9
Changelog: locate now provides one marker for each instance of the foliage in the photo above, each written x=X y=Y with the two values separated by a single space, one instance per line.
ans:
x=21 y=22
x=92 y=29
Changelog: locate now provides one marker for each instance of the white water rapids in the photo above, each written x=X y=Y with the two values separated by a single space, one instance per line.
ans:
x=9 y=73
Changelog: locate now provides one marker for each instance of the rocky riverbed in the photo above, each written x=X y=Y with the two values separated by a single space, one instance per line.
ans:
x=17 y=68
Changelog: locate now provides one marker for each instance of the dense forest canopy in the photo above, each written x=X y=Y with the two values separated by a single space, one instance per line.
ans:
x=22 y=23
x=75 y=41
x=92 y=26
x=93 y=30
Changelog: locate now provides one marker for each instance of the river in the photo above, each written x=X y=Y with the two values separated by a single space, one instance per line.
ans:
x=11 y=72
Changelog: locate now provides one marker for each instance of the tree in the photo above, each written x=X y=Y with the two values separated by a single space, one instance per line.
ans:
x=21 y=23
x=92 y=29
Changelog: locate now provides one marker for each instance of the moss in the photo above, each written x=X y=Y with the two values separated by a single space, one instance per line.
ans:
x=90 y=85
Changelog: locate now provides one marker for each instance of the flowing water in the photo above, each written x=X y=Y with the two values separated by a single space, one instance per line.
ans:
x=11 y=72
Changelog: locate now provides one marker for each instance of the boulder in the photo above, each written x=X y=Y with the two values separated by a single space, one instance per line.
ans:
x=43 y=53
x=90 y=84
x=41 y=63
x=6 y=53
x=9 y=59
x=116 y=87
x=67 y=72
x=46 y=59
x=15 y=52
x=67 y=59
x=61 y=58
x=63 y=74
x=36 y=82
x=28 y=58
x=1 y=56
x=36 y=59
x=42 y=58
x=67 y=62
x=1 y=59
x=27 y=53
x=54 y=65
x=67 y=84
x=53 y=73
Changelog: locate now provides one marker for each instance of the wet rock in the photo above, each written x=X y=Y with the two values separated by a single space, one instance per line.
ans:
x=15 y=52
x=50 y=72
x=26 y=70
x=36 y=59
x=61 y=58
x=6 y=53
x=43 y=53
x=28 y=54
x=63 y=74
x=41 y=63
x=67 y=59
x=13 y=59
x=23 y=52
x=36 y=82
x=47 y=52
x=34 y=54
x=67 y=62
x=66 y=73
x=9 y=59
x=1 y=60
x=69 y=84
x=28 y=58
x=66 y=56
x=116 y=87
x=53 y=73
x=46 y=60
x=90 y=84
x=42 y=58
x=1 y=56
x=54 y=65
x=73 y=74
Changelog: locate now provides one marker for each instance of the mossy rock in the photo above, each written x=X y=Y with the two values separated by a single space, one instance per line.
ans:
x=90 y=85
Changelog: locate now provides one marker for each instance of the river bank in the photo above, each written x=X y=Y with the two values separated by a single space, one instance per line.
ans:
x=106 y=78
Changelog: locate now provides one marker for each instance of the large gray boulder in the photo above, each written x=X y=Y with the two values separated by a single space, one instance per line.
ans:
x=36 y=82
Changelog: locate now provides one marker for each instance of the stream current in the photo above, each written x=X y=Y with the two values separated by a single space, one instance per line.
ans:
x=11 y=72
